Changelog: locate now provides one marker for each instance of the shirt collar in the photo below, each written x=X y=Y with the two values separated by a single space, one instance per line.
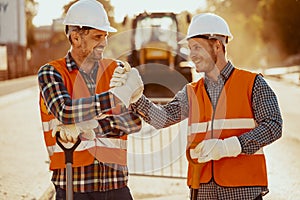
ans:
x=225 y=72
x=71 y=64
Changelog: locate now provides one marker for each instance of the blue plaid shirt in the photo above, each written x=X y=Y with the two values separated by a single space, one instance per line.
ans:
x=97 y=176
x=266 y=113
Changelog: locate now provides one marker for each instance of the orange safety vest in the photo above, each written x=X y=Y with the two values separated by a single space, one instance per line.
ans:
x=109 y=150
x=232 y=116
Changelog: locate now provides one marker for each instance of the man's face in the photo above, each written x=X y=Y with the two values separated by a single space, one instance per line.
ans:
x=93 y=44
x=202 y=54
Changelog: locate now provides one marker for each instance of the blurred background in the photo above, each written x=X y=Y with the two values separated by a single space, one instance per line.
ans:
x=266 y=39
x=266 y=32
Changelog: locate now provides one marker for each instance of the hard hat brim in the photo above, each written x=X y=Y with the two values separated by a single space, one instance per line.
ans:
x=183 y=41
x=111 y=29
x=105 y=28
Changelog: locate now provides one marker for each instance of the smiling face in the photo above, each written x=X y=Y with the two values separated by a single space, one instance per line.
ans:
x=93 y=44
x=202 y=53
x=88 y=45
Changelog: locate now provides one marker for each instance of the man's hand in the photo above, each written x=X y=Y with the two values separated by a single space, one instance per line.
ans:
x=70 y=132
x=126 y=84
x=120 y=75
x=215 y=149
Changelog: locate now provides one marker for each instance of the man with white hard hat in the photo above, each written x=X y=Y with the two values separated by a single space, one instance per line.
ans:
x=232 y=114
x=76 y=101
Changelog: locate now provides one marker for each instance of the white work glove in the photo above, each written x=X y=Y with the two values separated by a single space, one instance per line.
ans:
x=70 y=132
x=215 y=149
x=127 y=86
x=120 y=76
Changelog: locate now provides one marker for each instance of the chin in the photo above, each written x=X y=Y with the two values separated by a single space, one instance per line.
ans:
x=98 y=57
x=199 y=69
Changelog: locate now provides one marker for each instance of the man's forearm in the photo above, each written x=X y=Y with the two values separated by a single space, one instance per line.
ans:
x=60 y=103
x=159 y=116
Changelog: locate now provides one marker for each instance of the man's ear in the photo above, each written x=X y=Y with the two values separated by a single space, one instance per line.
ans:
x=218 y=45
x=75 y=37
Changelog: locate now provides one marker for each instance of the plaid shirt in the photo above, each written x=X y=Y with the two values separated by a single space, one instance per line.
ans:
x=266 y=113
x=97 y=176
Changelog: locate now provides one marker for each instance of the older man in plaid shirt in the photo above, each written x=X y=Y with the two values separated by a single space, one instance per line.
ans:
x=76 y=100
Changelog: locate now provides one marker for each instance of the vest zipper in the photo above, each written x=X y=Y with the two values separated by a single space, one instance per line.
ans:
x=214 y=106
x=212 y=135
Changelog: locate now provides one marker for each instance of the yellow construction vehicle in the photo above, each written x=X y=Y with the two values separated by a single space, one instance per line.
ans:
x=155 y=52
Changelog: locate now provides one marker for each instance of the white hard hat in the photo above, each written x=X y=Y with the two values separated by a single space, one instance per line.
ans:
x=88 y=13
x=208 y=24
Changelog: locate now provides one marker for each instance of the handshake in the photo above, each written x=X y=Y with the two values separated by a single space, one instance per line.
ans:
x=126 y=84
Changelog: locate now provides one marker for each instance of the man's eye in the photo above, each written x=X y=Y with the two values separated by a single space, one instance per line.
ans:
x=196 y=48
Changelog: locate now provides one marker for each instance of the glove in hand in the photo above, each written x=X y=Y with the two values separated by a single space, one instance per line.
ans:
x=120 y=76
x=127 y=86
x=70 y=132
x=215 y=149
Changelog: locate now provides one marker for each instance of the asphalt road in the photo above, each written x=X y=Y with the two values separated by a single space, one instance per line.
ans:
x=24 y=170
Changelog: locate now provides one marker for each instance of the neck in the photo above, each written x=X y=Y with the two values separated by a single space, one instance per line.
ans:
x=213 y=74
x=83 y=62
x=219 y=66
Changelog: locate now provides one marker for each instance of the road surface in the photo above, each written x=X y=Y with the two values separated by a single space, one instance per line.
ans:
x=24 y=171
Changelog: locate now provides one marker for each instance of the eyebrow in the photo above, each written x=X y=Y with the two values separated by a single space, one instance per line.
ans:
x=195 y=44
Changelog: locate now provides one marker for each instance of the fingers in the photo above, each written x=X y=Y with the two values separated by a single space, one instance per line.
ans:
x=127 y=66
x=55 y=130
x=119 y=77
x=120 y=70
x=116 y=82
x=199 y=148
x=65 y=137
x=124 y=65
x=204 y=159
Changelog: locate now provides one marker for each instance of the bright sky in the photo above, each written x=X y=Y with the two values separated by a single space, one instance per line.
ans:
x=48 y=10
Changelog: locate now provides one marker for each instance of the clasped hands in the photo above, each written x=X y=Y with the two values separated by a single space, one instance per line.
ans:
x=215 y=149
x=126 y=84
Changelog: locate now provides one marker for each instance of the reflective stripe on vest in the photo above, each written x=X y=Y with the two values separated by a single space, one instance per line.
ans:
x=104 y=149
x=240 y=123
x=195 y=155
x=232 y=116
x=221 y=124
x=87 y=144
